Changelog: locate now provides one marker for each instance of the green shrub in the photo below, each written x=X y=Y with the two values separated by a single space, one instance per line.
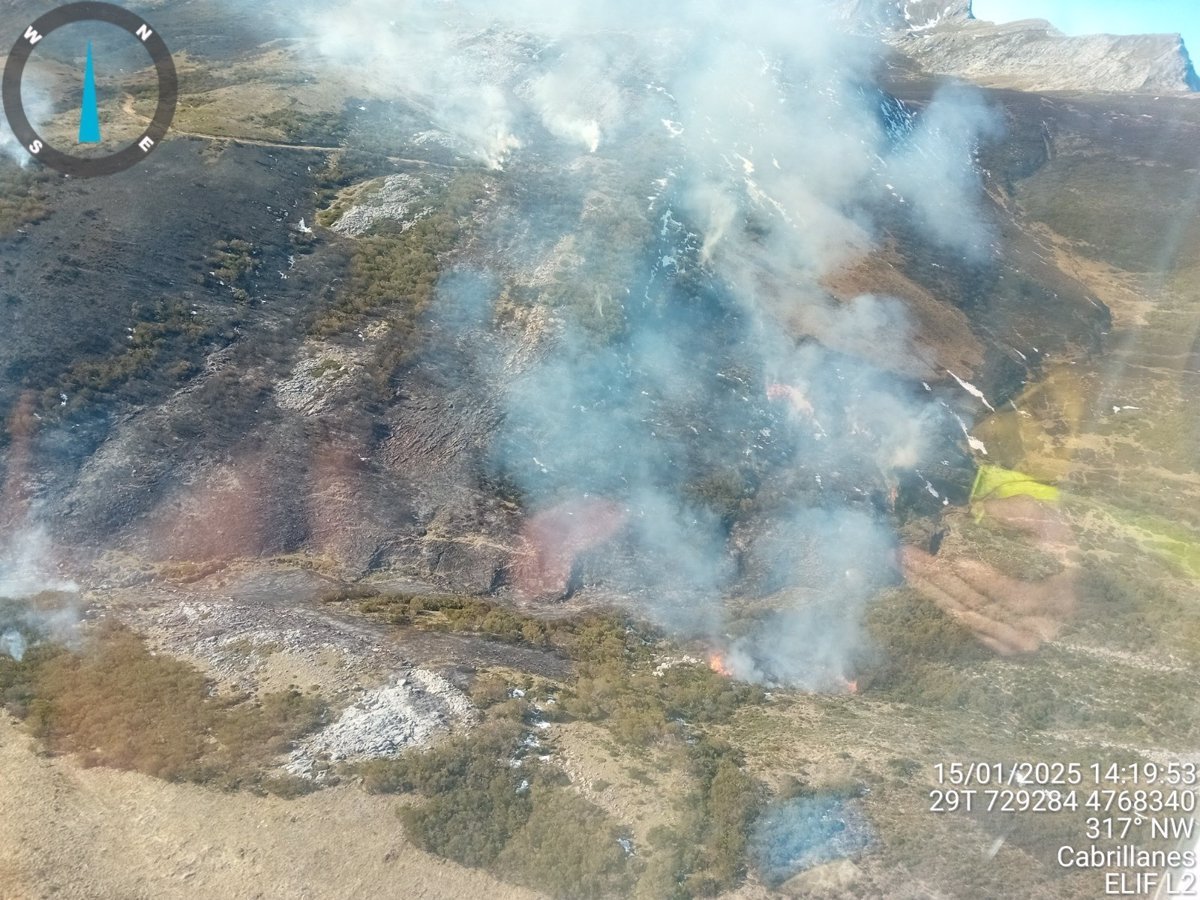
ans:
x=911 y=632
x=567 y=848
x=472 y=822
x=482 y=810
x=478 y=813
x=118 y=705
x=475 y=800
x=455 y=613
x=233 y=260
x=23 y=198
x=639 y=705
x=704 y=854
x=488 y=690
x=167 y=331
x=397 y=273
x=115 y=703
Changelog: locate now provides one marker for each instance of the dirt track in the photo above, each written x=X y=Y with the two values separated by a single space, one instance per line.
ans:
x=128 y=109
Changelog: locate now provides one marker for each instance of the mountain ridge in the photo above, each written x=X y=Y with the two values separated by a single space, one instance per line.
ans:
x=946 y=38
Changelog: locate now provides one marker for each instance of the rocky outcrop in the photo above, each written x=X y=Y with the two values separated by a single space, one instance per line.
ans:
x=945 y=38
x=1033 y=55
x=904 y=15
x=413 y=711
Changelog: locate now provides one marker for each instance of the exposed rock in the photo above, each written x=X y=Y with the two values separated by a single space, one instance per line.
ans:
x=1033 y=55
x=412 y=711
x=318 y=380
x=927 y=13
x=904 y=14
x=397 y=198
x=945 y=38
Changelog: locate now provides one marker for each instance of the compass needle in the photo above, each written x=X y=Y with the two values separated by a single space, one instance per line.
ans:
x=89 y=118
x=148 y=137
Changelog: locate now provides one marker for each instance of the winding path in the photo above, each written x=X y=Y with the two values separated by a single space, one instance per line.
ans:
x=127 y=107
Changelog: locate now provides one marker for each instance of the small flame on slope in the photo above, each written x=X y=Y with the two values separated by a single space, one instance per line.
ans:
x=717 y=663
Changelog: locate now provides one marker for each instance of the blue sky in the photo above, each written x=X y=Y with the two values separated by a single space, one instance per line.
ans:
x=1112 y=16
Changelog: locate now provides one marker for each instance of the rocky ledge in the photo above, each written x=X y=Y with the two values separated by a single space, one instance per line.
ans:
x=945 y=38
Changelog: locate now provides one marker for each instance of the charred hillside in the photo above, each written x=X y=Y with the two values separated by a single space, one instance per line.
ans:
x=431 y=343
x=267 y=390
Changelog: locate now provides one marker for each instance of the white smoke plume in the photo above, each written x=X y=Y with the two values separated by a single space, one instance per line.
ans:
x=25 y=567
x=428 y=53
x=13 y=643
x=37 y=602
x=568 y=115
x=715 y=161
x=944 y=140
x=38 y=108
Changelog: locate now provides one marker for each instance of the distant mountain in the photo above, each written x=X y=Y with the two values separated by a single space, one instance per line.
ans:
x=905 y=14
x=944 y=37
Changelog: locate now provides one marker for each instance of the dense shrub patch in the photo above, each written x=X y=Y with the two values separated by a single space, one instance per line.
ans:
x=114 y=702
x=621 y=687
x=395 y=272
x=22 y=197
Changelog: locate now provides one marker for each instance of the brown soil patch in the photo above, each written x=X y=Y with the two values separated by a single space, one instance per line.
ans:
x=636 y=789
x=67 y=832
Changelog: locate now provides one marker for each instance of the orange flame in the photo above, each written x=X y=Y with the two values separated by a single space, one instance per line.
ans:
x=716 y=662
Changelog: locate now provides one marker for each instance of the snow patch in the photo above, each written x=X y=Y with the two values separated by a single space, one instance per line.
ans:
x=972 y=390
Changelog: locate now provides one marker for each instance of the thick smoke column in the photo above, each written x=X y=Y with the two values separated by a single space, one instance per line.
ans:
x=713 y=162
